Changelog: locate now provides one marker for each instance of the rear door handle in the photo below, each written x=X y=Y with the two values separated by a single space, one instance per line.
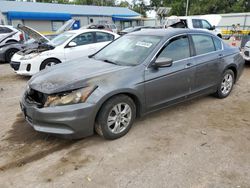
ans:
x=189 y=65
x=221 y=55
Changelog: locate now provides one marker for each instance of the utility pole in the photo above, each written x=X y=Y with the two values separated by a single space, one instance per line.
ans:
x=187 y=7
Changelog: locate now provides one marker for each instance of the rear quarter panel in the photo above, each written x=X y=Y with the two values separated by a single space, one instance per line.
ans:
x=232 y=59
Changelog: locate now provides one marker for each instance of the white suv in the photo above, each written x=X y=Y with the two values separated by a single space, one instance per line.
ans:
x=14 y=34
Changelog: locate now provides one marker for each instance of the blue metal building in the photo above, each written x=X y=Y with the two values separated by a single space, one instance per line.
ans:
x=47 y=17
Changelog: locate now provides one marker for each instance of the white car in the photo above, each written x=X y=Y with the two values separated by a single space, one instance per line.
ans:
x=192 y=22
x=10 y=34
x=246 y=52
x=64 y=47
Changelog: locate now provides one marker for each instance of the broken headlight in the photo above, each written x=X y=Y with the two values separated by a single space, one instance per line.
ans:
x=72 y=97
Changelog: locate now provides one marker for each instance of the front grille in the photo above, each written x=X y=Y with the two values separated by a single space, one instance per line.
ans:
x=36 y=97
x=15 y=65
x=246 y=53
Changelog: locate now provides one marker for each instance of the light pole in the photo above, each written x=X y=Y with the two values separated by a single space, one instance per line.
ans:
x=187 y=7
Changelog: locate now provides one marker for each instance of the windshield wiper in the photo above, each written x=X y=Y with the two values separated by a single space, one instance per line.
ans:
x=108 y=61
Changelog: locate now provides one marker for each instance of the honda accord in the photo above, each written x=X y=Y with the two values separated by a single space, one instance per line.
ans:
x=134 y=75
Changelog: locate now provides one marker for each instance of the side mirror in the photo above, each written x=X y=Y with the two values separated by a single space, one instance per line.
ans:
x=163 y=62
x=213 y=27
x=72 y=44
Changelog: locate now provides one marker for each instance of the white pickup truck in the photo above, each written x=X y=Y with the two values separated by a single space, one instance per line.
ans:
x=191 y=23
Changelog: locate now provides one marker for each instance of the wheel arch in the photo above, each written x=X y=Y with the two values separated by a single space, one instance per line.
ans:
x=11 y=40
x=234 y=69
x=129 y=93
x=219 y=35
x=50 y=58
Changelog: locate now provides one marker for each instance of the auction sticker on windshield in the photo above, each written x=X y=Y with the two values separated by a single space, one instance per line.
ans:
x=144 y=44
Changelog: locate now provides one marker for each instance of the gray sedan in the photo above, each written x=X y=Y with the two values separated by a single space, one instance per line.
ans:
x=136 y=74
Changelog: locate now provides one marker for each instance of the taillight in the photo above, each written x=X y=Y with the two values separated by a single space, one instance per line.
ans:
x=21 y=37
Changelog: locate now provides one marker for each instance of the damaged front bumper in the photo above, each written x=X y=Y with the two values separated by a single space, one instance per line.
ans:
x=70 y=121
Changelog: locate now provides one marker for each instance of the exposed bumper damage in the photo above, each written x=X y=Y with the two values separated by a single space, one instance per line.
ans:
x=70 y=121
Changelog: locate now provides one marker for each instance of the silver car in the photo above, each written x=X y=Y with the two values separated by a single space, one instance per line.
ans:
x=136 y=74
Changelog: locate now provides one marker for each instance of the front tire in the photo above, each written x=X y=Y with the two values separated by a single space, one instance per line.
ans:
x=226 y=84
x=116 y=117
x=9 y=54
x=48 y=63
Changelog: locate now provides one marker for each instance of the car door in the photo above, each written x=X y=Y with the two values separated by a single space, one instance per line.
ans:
x=164 y=86
x=207 y=60
x=84 y=46
x=102 y=39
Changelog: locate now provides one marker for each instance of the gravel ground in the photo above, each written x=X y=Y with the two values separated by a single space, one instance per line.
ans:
x=200 y=143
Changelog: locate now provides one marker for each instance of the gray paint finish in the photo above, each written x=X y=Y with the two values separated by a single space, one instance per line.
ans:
x=152 y=88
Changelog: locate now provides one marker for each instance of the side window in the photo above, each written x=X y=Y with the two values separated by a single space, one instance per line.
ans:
x=217 y=44
x=103 y=37
x=176 y=49
x=5 y=30
x=83 y=39
x=203 y=44
x=197 y=23
x=206 y=25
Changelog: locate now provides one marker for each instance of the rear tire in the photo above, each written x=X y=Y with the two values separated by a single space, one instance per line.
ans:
x=116 y=117
x=226 y=85
x=9 y=54
x=48 y=63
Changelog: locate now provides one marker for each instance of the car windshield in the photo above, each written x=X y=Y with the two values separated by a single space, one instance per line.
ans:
x=60 y=39
x=130 y=29
x=128 y=50
x=113 y=26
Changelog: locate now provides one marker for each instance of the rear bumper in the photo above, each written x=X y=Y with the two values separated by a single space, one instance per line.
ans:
x=70 y=121
x=240 y=68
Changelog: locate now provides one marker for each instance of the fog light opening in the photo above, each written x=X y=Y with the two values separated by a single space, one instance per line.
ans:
x=28 y=67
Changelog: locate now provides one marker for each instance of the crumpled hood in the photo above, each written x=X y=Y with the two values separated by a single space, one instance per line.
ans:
x=71 y=75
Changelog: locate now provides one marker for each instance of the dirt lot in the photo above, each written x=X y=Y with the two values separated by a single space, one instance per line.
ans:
x=201 y=143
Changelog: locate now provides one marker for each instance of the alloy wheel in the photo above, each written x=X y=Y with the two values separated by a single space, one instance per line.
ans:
x=226 y=84
x=119 y=118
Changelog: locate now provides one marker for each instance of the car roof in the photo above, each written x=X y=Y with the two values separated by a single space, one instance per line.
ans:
x=168 y=32
x=8 y=26
x=78 y=31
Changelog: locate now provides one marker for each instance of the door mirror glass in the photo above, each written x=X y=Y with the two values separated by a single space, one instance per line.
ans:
x=163 y=62
x=72 y=44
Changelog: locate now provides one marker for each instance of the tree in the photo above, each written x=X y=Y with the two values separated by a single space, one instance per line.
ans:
x=140 y=7
x=123 y=4
x=198 y=7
